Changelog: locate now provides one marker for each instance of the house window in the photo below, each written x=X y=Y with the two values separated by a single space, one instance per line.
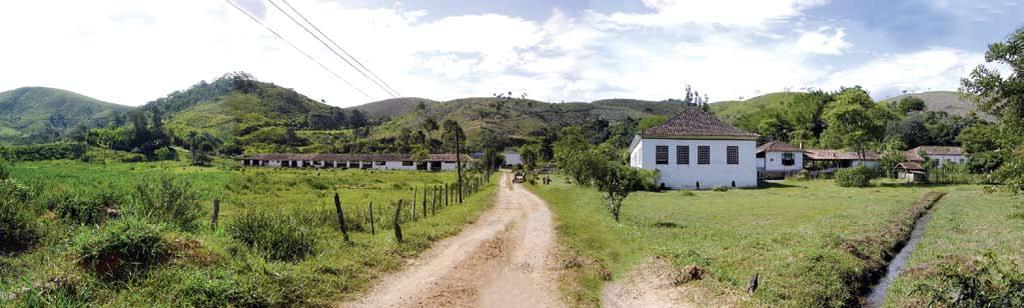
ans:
x=732 y=155
x=788 y=160
x=683 y=154
x=661 y=155
x=703 y=155
x=407 y=163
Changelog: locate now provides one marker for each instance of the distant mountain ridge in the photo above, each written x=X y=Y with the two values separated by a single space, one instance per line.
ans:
x=31 y=113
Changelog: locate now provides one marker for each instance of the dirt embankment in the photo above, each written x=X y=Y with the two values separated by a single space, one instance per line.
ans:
x=504 y=259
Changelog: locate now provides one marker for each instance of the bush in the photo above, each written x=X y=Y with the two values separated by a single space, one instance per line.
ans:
x=10 y=189
x=17 y=226
x=991 y=284
x=859 y=176
x=166 y=153
x=72 y=208
x=121 y=247
x=276 y=238
x=168 y=199
x=53 y=151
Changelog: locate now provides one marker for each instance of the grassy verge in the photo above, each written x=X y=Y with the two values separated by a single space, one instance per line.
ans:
x=800 y=237
x=965 y=226
x=205 y=267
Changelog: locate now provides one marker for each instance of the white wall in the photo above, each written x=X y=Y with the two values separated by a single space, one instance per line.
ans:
x=772 y=162
x=718 y=173
x=943 y=159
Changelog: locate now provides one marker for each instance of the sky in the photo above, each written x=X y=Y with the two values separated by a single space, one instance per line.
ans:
x=133 y=52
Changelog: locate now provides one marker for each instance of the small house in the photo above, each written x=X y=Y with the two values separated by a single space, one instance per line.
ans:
x=911 y=172
x=778 y=159
x=835 y=159
x=695 y=150
x=940 y=154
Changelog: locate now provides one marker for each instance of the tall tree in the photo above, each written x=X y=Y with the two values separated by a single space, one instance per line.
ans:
x=452 y=131
x=854 y=121
x=1003 y=96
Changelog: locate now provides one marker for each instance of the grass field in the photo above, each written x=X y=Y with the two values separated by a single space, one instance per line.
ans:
x=966 y=225
x=798 y=236
x=209 y=268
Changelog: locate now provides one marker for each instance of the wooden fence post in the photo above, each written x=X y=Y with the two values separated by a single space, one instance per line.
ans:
x=424 y=200
x=341 y=216
x=216 y=211
x=413 y=203
x=373 y=231
x=398 y=227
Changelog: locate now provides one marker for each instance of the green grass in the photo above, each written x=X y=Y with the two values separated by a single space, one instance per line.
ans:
x=208 y=268
x=965 y=226
x=793 y=235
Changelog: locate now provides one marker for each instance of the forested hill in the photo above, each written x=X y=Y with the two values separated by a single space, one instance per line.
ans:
x=36 y=114
x=236 y=105
x=948 y=101
x=511 y=117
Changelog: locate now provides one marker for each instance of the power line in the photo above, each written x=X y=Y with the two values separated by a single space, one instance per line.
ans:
x=378 y=82
x=271 y=30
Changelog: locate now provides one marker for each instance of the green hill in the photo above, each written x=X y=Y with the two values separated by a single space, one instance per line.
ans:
x=730 y=111
x=35 y=113
x=236 y=105
x=517 y=118
x=948 y=101
x=393 y=107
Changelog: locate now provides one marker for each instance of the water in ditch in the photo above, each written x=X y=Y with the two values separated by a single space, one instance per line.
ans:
x=880 y=290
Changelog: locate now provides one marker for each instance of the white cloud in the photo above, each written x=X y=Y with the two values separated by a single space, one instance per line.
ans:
x=670 y=13
x=133 y=52
x=821 y=42
x=929 y=70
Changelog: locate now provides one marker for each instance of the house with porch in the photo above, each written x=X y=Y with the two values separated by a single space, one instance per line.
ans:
x=433 y=162
x=695 y=150
x=778 y=159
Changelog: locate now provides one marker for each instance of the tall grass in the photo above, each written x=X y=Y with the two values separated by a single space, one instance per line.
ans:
x=122 y=247
x=280 y=238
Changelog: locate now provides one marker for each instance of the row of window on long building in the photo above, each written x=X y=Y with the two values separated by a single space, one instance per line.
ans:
x=732 y=155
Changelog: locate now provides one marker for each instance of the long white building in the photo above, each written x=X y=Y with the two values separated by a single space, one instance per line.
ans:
x=695 y=150
x=434 y=162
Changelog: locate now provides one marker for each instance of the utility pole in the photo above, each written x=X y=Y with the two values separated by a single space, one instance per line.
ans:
x=458 y=161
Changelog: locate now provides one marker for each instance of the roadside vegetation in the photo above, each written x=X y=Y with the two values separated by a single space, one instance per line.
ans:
x=135 y=234
x=811 y=243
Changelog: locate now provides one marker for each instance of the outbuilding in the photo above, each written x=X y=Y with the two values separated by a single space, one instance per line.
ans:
x=911 y=172
x=777 y=159
x=433 y=162
x=695 y=150
x=940 y=154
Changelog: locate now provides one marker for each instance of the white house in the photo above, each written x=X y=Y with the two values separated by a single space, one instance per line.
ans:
x=778 y=159
x=940 y=154
x=695 y=150
x=434 y=162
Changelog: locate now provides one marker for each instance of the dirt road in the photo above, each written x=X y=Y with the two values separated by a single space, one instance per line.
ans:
x=501 y=260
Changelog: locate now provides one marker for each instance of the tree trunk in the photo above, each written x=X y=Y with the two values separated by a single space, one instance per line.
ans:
x=397 y=226
x=341 y=217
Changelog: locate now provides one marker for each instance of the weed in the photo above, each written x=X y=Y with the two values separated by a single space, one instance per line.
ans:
x=276 y=238
x=72 y=208
x=169 y=199
x=990 y=284
x=18 y=230
x=122 y=247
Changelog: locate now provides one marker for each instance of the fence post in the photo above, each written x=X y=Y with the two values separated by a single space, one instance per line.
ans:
x=413 y=202
x=424 y=200
x=341 y=216
x=216 y=211
x=372 y=230
x=398 y=227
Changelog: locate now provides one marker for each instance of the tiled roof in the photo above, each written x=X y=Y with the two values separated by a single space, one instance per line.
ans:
x=909 y=165
x=351 y=157
x=913 y=154
x=777 y=146
x=823 y=154
x=693 y=122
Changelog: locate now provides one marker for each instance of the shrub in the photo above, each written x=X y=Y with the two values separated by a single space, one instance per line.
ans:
x=218 y=289
x=121 y=247
x=276 y=238
x=10 y=189
x=166 y=153
x=854 y=177
x=168 y=199
x=72 y=208
x=17 y=227
x=51 y=151
x=991 y=284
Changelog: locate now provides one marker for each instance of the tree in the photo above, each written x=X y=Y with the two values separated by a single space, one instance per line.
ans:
x=200 y=144
x=1003 y=96
x=452 y=132
x=854 y=120
x=529 y=153
x=618 y=181
x=909 y=104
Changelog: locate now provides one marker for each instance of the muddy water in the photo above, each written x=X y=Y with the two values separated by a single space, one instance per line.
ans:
x=880 y=290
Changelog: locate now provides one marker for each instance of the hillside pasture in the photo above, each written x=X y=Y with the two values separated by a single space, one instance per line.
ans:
x=799 y=237
x=204 y=267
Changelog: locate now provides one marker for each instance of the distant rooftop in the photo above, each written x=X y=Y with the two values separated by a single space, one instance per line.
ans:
x=777 y=146
x=914 y=154
x=825 y=154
